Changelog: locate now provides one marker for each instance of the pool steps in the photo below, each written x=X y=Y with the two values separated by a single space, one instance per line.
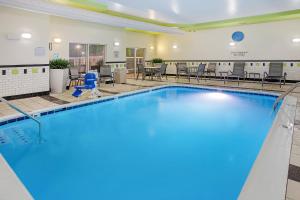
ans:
x=16 y=108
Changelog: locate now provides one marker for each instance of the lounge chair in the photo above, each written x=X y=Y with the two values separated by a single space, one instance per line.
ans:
x=275 y=73
x=162 y=71
x=75 y=77
x=141 y=70
x=211 y=69
x=106 y=74
x=197 y=72
x=238 y=72
x=181 y=69
x=90 y=81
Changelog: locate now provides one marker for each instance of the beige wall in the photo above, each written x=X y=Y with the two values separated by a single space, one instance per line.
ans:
x=44 y=28
x=262 y=41
x=21 y=51
x=91 y=33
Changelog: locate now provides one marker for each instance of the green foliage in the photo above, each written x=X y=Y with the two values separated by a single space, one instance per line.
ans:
x=157 y=60
x=59 y=64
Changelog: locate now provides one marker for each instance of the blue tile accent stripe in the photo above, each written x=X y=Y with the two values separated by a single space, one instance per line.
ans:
x=70 y=107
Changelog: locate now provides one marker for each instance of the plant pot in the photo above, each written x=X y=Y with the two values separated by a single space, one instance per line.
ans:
x=58 y=80
x=157 y=64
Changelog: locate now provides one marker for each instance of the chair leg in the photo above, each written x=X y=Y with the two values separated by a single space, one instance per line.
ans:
x=280 y=83
x=70 y=84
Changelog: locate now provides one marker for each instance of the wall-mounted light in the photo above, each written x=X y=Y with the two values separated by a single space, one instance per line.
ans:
x=174 y=46
x=57 y=40
x=296 y=40
x=232 y=44
x=26 y=35
x=116 y=44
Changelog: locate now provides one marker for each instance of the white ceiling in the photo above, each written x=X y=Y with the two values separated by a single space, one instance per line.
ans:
x=172 y=11
x=84 y=15
x=196 y=11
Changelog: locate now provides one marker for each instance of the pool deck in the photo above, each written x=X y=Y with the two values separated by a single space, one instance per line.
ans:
x=37 y=103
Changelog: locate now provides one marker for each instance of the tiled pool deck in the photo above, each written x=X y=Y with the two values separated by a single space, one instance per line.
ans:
x=42 y=102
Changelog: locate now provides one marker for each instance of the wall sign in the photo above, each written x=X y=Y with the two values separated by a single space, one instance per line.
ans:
x=116 y=54
x=238 y=36
x=39 y=51
x=239 y=53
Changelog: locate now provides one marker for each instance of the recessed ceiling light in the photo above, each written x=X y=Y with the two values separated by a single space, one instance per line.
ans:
x=57 y=40
x=232 y=44
x=296 y=40
x=151 y=14
x=26 y=35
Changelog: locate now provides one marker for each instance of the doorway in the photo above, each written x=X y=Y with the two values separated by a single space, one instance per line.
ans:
x=134 y=56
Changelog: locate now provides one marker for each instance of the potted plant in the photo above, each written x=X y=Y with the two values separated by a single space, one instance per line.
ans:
x=59 y=71
x=157 y=61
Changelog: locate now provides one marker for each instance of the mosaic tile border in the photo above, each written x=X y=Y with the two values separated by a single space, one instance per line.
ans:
x=70 y=106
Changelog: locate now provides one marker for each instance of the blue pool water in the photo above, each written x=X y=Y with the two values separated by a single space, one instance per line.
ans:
x=169 y=144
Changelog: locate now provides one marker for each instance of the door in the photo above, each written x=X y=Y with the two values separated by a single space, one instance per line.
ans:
x=134 y=56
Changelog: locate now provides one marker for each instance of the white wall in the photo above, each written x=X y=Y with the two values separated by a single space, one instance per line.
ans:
x=91 y=33
x=13 y=21
x=262 y=41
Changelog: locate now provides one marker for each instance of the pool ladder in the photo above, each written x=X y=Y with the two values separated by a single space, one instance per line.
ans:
x=285 y=94
x=27 y=115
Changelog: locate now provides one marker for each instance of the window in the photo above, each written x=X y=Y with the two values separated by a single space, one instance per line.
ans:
x=86 y=56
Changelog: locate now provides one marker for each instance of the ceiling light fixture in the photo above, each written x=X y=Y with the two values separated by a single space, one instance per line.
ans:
x=26 y=35
x=296 y=40
x=151 y=14
x=232 y=44
x=57 y=40
x=175 y=7
x=175 y=46
x=151 y=47
x=116 y=44
x=232 y=6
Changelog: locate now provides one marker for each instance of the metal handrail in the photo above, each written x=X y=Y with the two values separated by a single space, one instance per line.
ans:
x=285 y=94
x=26 y=114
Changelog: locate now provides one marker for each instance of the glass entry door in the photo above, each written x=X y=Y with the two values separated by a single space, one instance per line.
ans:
x=96 y=56
x=134 y=56
x=78 y=56
x=86 y=56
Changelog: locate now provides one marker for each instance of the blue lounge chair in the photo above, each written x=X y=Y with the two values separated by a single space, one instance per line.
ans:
x=90 y=80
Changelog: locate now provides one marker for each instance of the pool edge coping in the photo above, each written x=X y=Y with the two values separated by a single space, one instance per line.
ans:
x=268 y=176
x=14 y=189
